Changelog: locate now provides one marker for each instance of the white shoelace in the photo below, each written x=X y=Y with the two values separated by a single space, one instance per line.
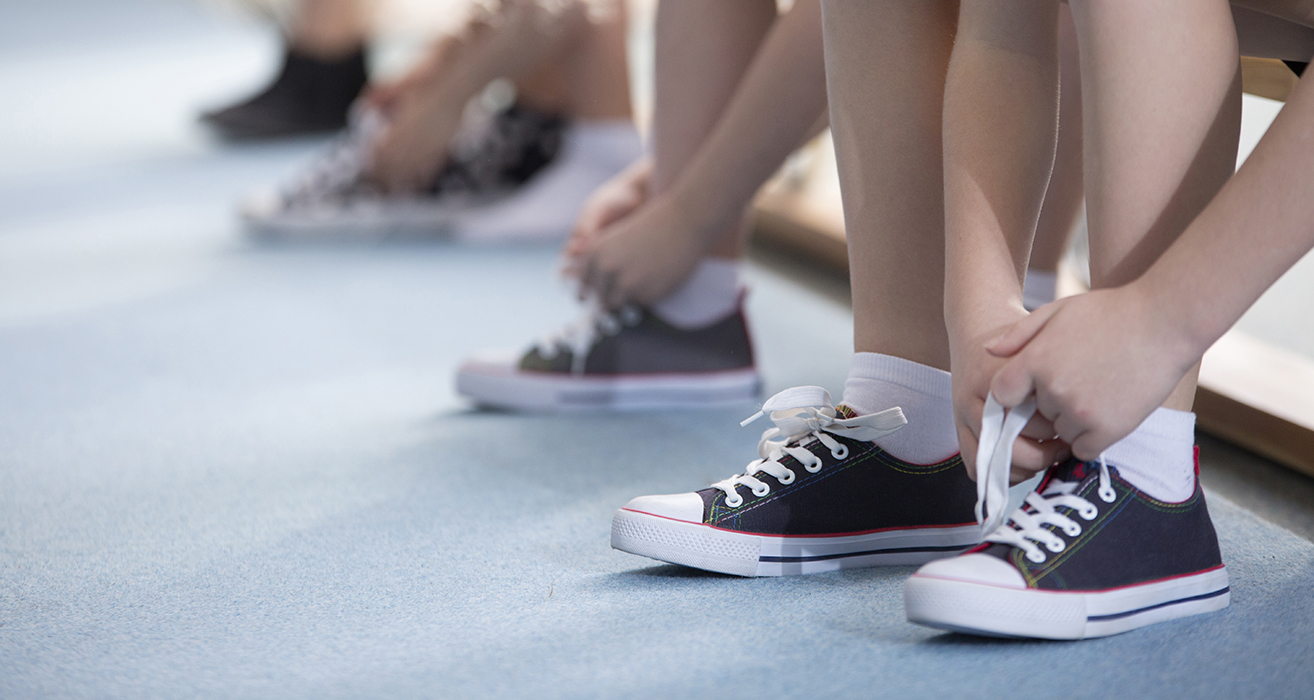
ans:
x=801 y=413
x=580 y=335
x=1025 y=527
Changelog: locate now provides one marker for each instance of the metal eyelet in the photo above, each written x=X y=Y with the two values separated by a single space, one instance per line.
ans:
x=1108 y=496
x=1089 y=514
x=762 y=492
x=1037 y=558
x=1074 y=531
x=840 y=453
x=738 y=501
x=1056 y=546
x=814 y=467
x=789 y=478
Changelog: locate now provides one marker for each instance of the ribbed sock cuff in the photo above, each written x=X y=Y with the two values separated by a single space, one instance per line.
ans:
x=905 y=373
x=1159 y=456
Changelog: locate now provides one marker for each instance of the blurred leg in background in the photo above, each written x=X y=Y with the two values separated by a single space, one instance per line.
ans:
x=323 y=72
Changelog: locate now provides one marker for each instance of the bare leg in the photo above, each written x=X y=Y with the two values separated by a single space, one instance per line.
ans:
x=1065 y=194
x=1154 y=156
x=700 y=214
x=885 y=70
x=328 y=29
x=588 y=79
x=703 y=50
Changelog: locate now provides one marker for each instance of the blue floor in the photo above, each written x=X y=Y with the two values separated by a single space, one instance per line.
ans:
x=229 y=470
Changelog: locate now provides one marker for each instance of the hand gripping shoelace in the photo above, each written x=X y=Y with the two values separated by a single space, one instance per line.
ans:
x=1025 y=528
x=579 y=336
x=799 y=413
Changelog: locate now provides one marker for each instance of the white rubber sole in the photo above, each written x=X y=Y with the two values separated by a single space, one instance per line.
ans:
x=371 y=226
x=975 y=608
x=713 y=549
x=502 y=386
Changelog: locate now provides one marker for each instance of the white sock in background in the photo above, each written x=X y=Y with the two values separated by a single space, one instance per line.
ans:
x=1159 y=456
x=1039 y=289
x=877 y=382
x=710 y=294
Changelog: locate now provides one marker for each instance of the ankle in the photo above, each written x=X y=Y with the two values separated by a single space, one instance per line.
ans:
x=711 y=293
x=1159 y=456
x=878 y=382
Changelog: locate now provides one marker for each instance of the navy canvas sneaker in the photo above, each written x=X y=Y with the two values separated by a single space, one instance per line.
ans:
x=623 y=360
x=822 y=497
x=1087 y=555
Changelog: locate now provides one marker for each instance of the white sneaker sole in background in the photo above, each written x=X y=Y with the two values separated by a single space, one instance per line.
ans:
x=978 y=608
x=710 y=548
x=497 y=382
x=542 y=211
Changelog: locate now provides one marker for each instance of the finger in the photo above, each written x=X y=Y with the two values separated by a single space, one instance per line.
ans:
x=1021 y=333
x=1039 y=428
x=1033 y=456
x=967 y=449
x=1013 y=383
x=1091 y=445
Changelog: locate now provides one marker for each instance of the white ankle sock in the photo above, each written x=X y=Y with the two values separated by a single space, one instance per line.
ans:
x=1159 y=456
x=1039 y=289
x=877 y=382
x=710 y=294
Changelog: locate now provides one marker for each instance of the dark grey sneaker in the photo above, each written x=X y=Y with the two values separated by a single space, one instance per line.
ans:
x=630 y=359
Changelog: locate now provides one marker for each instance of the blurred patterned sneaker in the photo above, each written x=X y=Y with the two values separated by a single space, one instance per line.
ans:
x=630 y=359
x=515 y=176
x=823 y=496
x=1087 y=555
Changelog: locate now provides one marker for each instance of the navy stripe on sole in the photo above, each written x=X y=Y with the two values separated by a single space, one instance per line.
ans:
x=1129 y=613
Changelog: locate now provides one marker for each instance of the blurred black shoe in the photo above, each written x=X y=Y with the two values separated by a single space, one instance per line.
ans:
x=309 y=95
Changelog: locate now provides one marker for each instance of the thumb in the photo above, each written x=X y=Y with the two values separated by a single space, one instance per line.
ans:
x=1021 y=333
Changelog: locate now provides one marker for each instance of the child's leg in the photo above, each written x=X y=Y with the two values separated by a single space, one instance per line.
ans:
x=1064 y=196
x=699 y=215
x=323 y=72
x=1158 y=147
x=874 y=480
x=692 y=346
x=328 y=29
x=589 y=79
x=885 y=69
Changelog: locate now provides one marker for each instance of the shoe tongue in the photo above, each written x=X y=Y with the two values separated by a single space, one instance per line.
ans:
x=845 y=411
x=1073 y=470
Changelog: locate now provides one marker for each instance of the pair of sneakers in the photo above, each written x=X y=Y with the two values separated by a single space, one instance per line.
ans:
x=1087 y=555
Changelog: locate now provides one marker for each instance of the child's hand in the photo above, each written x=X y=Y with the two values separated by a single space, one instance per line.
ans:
x=616 y=199
x=1098 y=363
x=640 y=258
x=972 y=370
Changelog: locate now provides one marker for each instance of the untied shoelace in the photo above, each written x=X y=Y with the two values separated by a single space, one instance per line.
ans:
x=799 y=413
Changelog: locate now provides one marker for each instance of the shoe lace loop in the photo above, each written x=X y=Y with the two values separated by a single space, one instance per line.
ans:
x=1026 y=527
x=579 y=336
x=803 y=414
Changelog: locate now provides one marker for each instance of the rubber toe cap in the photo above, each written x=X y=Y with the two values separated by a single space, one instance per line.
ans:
x=975 y=568
x=680 y=506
